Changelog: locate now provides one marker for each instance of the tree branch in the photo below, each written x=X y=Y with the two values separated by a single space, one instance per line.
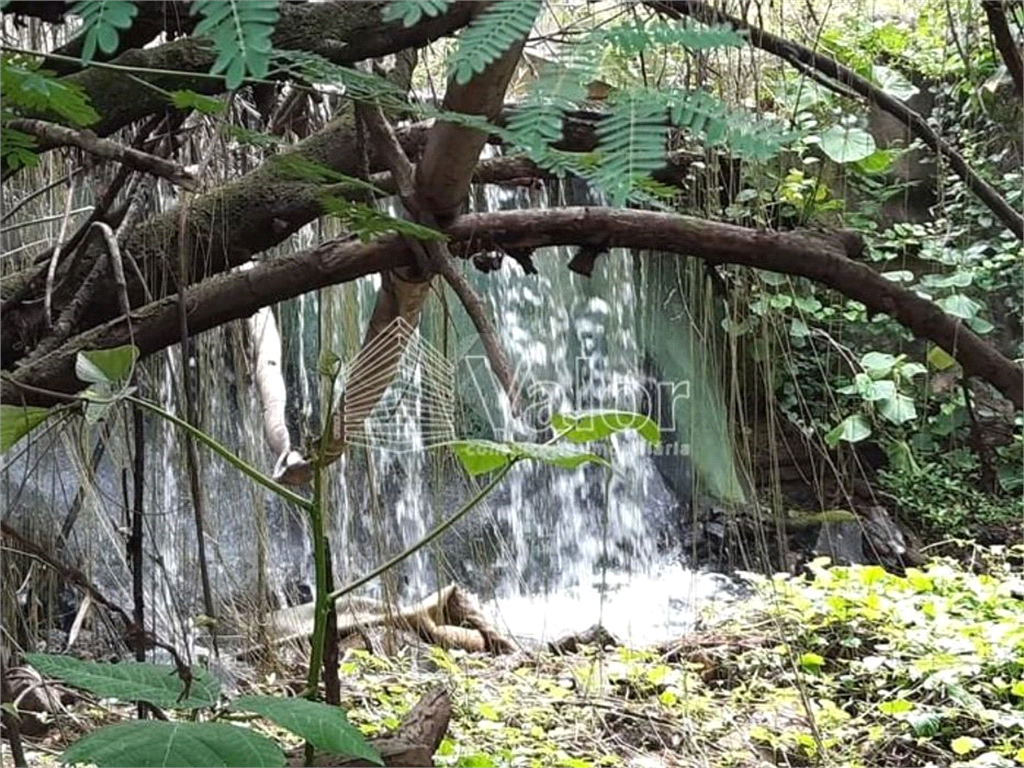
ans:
x=815 y=255
x=1008 y=49
x=800 y=56
x=342 y=32
x=57 y=135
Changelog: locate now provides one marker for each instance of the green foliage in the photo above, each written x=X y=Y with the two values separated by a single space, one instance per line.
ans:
x=16 y=421
x=241 y=33
x=366 y=221
x=27 y=89
x=411 y=11
x=156 y=744
x=322 y=725
x=131 y=681
x=588 y=427
x=152 y=743
x=489 y=35
x=479 y=457
x=939 y=499
x=632 y=144
x=107 y=372
x=354 y=83
x=101 y=20
x=847 y=144
x=197 y=101
x=633 y=37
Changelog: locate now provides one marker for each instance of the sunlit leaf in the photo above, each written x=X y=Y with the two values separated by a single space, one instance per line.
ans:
x=16 y=421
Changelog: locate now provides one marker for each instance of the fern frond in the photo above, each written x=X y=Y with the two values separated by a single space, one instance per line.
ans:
x=634 y=37
x=101 y=20
x=366 y=221
x=411 y=11
x=241 y=33
x=631 y=143
x=362 y=86
x=24 y=87
x=489 y=35
x=708 y=119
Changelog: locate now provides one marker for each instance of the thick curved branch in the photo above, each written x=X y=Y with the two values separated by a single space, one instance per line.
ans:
x=1008 y=49
x=815 y=255
x=801 y=56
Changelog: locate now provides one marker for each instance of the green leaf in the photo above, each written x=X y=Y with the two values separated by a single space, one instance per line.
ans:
x=106 y=366
x=811 y=662
x=895 y=707
x=410 y=11
x=959 y=305
x=898 y=410
x=852 y=429
x=597 y=425
x=130 y=681
x=940 y=359
x=322 y=725
x=16 y=421
x=847 y=145
x=893 y=82
x=878 y=364
x=500 y=26
x=964 y=745
x=192 y=100
x=152 y=743
x=241 y=34
x=884 y=389
x=101 y=20
x=878 y=161
x=482 y=456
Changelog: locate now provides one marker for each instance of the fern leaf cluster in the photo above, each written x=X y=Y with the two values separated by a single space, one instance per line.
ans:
x=101 y=22
x=354 y=83
x=634 y=37
x=411 y=11
x=241 y=33
x=489 y=35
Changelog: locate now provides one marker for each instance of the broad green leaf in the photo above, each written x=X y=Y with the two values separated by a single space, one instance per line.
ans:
x=893 y=83
x=959 y=305
x=898 y=410
x=481 y=456
x=811 y=662
x=940 y=359
x=979 y=325
x=130 y=681
x=878 y=364
x=883 y=389
x=16 y=421
x=896 y=707
x=910 y=370
x=847 y=145
x=156 y=744
x=197 y=101
x=899 y=276
x=799 y=328
x=324 y=726
x=597 y=425
x=878 y=161
x=106 y=366
x=852 y=429
x=963 y=745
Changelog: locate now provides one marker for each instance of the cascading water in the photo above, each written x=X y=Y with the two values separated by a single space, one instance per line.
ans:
x=551 y=550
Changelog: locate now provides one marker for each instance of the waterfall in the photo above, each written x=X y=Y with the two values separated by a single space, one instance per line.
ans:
x=550 y=550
